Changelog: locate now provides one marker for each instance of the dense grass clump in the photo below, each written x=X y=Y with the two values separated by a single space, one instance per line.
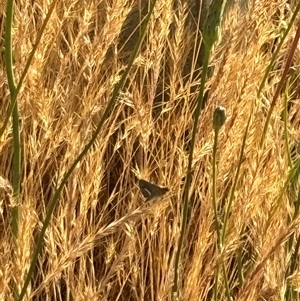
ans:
x=201 y=98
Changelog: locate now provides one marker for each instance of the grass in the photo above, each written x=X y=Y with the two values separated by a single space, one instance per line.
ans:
x=81 y=114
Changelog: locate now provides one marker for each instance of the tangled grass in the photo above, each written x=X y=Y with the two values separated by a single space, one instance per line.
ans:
x=103 y=241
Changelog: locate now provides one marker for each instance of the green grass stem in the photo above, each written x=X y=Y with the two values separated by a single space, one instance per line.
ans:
x=54 y=199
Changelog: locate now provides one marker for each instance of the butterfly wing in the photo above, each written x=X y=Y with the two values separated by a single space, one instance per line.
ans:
x=144 y=187
x=150 y=190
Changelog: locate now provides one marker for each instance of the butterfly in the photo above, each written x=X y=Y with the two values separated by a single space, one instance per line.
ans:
x=150 y=191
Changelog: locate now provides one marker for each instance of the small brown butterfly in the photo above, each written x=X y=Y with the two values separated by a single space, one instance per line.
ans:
x=150 y=191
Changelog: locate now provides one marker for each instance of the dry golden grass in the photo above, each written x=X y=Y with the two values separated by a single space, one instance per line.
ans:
x=101 y=245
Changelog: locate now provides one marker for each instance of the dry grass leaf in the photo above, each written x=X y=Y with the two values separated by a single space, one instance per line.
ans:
x=101 y=245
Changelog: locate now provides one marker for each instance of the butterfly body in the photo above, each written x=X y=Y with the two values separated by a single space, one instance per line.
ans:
x=150 y=191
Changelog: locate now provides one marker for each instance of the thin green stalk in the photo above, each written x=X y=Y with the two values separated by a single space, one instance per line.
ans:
x=297 y=206
x=175 y=287
x=240 y=264
x=16 y=170
x=214 y=191
x=28 y=63
x=13 y=108
x=280 y=84
x=210 y=36
x=291 y=239
x=292 y=266
x=285 y=120
x=292 y=173
x=294 y=258
x=15 y=117
x=215 y=288
x=231 y=197
x=226 y=284
x=218 y=121
x=53 y=201
x=216 y=218
x=288 y=151
x=292 y=293
x=275 y=54
x=235 y=181
x=8 y=46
